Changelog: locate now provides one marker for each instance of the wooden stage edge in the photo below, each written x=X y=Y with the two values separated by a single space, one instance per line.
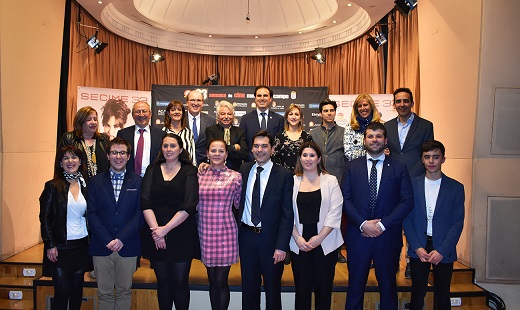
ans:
x=144 y=277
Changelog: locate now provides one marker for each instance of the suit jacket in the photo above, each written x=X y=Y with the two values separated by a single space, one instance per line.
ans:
x=276 y=210
x=109 y=219
x=156 y=136
x=421 y=130
x=249 y=122
x=206 y=121
x=236 y=136
x=330 y=212
x=448 y=219
x=394 y=201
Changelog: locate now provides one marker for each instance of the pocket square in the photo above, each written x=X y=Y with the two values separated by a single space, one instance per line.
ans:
x=131 y=189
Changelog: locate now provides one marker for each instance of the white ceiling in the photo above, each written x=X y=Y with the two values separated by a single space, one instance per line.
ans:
x=280 y=26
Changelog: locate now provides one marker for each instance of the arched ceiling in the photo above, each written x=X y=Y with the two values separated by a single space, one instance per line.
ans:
x=220 y=27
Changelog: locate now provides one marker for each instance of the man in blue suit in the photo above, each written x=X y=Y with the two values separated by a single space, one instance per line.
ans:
x=378 y=196
x=261 y=118
x=433 y=228
x=114 y=216
x=266 y=223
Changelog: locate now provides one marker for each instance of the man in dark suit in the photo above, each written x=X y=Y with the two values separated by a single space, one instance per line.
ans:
x=266 y=216
x=114 y=216
x=198 y=122
x=433 y=228
x=151 y=138
x=378 y=196
x=261 y=117
x=407 y=132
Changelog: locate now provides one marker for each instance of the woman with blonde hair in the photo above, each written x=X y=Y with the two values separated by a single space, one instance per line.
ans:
x=288 y=142
x=363 y=113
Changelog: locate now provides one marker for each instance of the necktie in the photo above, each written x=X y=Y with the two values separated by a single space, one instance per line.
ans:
x=255 y=204
x=227 y=136
x=195 y=131
x=372 y=185
x=263 y=124
x=139 y=153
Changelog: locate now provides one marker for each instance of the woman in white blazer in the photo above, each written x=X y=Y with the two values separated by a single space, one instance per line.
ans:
x=316 y=237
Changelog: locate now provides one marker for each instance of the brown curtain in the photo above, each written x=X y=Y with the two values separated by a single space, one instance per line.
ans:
x=403 y=56
x=350 y=68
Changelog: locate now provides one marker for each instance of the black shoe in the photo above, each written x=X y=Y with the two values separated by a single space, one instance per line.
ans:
x=341 y=258
x=407 y=272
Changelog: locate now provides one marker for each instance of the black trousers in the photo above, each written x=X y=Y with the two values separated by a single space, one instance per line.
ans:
x=441 y=282
x=313 y=271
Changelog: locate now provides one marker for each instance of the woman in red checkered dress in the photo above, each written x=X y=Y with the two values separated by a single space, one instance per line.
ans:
x=219 y=191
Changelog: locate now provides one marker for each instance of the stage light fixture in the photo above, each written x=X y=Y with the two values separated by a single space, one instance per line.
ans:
x=212 y=78
x=157 y=56
x=378 y=40
x=405 y=6
x=94 y=43
x=318 y=55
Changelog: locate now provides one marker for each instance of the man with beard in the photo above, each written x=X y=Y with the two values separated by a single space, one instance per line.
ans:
x=378 y=196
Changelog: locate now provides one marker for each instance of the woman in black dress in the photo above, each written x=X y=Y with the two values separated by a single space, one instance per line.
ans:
x=64 y=228
x=169 y=197
x=288 y=142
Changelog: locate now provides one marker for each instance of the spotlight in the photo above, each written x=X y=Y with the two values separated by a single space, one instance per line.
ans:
x=378 y=40
x=95 y=44
x=405 y=6
x=318 y=55
x=212 y=78
x=156 y=56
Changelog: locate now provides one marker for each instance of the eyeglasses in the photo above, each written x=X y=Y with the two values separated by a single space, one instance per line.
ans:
x=195 y=100
x=402 y=100
x=115 y=153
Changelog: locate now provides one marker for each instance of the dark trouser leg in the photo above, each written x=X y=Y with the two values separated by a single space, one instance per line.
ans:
x=164 y=287
x=419 y=273
x=218 y=287
x=62 y=287
x=442 y=278
x=324 y=270
x=301 y=264
x=386 y=264
x=358 y=263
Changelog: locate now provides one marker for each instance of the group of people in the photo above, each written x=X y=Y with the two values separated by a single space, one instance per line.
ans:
x=205 y=189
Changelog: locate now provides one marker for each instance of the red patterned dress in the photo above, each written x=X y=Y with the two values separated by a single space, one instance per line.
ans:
x=219 y=191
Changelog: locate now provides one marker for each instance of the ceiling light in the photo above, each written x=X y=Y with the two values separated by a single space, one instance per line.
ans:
x=350 y=4
x=318 y=55
x=95 y=44
x=300 y=32
x=405 y=6
x=210 y=36
x=256 y=37
x=378 y=40
x=100 y=2
x=157 y=56
x=333 y=21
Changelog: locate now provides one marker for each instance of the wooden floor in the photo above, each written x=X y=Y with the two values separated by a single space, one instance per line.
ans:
x=144 y=280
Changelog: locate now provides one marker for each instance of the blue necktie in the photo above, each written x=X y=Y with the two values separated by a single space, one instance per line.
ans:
x=263 y=123
x=195 y=131
x=372 y=185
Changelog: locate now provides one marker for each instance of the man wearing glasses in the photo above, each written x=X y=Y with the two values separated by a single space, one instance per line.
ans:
x=406 y=135
x=144 y=140
x=198 y=122
x=114 y=216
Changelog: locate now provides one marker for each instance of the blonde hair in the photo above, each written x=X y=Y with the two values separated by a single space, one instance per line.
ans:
x=286 y=115
x=376 y=117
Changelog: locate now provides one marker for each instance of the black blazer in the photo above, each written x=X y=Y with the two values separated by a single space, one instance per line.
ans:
x=206 y=121
x=237 y=136
x=420 y=131
x=156 y=136
x=277 y=216
x=249 y=122
x=53 y=211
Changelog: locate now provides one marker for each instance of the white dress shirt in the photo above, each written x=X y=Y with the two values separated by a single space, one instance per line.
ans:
x=259 y=114
x=146 y=147
x=264 y=177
